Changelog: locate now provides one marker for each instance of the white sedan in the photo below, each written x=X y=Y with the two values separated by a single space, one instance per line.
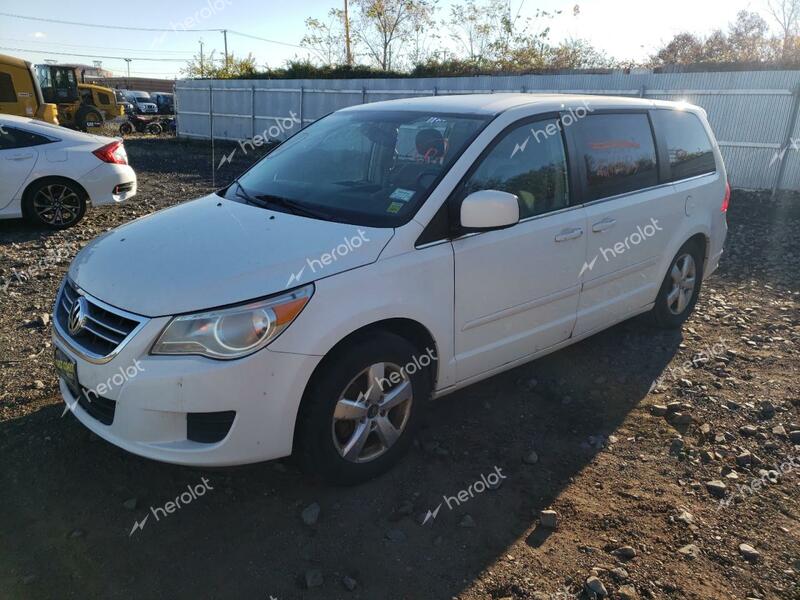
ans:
x=49 y=174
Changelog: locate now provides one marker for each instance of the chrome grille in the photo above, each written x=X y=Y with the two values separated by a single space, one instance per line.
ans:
x=105 y=330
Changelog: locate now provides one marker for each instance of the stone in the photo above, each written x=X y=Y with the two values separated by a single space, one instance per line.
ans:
x=690 y=551
x=627 y=592
x=716 y=488
x=531 y=458
x=313 y=578
x=744 y=459
x=38 y=384
x=396 y=535
x=794 y=437
x=681 y=418
x=310 y=514
x=349 y=583
x=767 y=409
x=779 y=431
x=548 y=519
x=658 y=410
x=595 y=586
x=748 y=430
x=686 y=517
x=749 y=553
x=625 y=552
x=44 y=319
x=467 y=522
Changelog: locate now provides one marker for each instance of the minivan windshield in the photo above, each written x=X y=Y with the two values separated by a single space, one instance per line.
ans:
x=363 y=167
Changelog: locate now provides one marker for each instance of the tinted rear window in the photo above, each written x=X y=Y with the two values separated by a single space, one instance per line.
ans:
x=618 y=153
x=689 y=149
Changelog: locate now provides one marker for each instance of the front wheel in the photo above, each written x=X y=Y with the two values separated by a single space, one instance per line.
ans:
x=680 y=289
x=360 y=413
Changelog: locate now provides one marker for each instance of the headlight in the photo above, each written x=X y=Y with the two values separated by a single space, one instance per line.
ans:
x=232 y=332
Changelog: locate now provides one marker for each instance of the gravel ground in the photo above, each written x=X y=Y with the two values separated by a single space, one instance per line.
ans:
x=645 y=443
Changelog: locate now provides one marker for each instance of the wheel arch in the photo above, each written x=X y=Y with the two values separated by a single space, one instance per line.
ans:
x=412 y=331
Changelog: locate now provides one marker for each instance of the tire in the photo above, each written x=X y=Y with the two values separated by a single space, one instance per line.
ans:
x=54 y=203
x=342 y=407
x=88 y=116
x=126 y=128
x=154 y=129
x=680 y=289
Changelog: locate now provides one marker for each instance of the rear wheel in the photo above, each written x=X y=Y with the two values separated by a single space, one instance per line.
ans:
x=57 y=204
x=680 y=289
x=359 y=415
x=154 y=128
x=126 y=128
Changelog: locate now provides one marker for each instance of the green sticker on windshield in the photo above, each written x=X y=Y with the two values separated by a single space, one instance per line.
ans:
x=394 y=207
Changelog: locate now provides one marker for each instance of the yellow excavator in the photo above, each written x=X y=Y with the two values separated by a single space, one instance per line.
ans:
x=54 y=93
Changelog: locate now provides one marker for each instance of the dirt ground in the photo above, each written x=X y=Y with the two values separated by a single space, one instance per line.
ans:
x=628 y=483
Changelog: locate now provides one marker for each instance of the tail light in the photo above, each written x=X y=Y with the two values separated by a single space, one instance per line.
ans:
x=727 y=199
x=112 y=153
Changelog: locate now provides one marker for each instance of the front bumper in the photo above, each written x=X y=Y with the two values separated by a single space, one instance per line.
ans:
x=153 y=404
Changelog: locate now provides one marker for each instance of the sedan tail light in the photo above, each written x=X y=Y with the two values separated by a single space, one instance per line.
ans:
x=112 y=153
x=727 y=199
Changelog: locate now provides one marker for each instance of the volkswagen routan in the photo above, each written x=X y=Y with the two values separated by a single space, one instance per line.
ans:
x=387 y=254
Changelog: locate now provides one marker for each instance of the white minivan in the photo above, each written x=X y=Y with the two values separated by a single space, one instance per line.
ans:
x=388 y=253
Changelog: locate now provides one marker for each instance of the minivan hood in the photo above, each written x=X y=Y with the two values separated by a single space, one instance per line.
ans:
x=212 y=252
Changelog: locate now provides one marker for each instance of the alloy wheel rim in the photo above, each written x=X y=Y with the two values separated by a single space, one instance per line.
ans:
x=372 y=412
x=684 y=275
x=57 y=204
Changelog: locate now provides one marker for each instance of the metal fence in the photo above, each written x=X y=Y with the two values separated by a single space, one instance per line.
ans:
x=754 y=113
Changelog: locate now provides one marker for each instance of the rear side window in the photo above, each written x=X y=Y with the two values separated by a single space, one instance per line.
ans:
x=617 y=153
x=103 y=98
x=11 y=137
x=688 y=147
x=7 y=92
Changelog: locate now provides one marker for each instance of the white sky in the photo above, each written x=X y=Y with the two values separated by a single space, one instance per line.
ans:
x=623 y=28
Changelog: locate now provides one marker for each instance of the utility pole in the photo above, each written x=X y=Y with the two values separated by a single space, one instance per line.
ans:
x=225 y=36
x=202 y=70
x=348 y=53
x=128 y=60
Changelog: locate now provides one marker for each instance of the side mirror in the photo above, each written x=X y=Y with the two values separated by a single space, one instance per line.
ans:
x=489 y=209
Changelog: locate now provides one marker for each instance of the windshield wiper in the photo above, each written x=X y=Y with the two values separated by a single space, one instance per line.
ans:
x=242 y=193
x=295 y=207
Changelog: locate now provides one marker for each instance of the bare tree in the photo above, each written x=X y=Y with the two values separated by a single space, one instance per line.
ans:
x=474 y=27
x=326 y=39
x=383 y=27
x=787 y=14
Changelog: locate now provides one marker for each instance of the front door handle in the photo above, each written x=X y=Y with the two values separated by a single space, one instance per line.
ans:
x=20 y=157
x=604 y=225
x=573 y=233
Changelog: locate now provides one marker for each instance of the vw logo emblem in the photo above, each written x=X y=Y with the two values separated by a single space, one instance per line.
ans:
x=77 y=315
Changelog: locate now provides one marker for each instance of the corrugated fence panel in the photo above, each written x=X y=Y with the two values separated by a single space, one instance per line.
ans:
x=750 y=112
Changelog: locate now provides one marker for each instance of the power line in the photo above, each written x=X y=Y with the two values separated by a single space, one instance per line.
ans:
x=5 y=14
x=95 y=55
x=255 y=37
x=157 y=29
x=96 y=47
